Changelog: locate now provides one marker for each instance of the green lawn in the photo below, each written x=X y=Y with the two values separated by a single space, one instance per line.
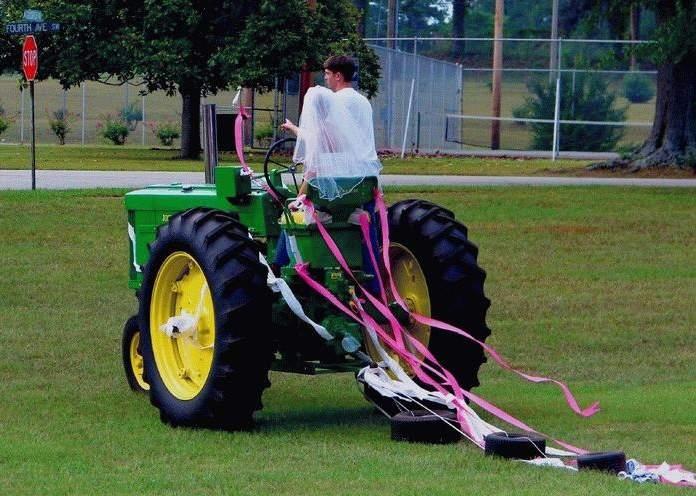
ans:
x=592 y=285
x=133 y=158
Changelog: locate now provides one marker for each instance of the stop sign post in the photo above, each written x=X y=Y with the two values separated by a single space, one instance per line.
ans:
x=30 y=66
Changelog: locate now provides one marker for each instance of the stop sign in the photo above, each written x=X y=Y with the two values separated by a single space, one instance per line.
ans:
x=30 y=58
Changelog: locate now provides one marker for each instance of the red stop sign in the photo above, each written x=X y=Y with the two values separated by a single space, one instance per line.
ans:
x=30 y=58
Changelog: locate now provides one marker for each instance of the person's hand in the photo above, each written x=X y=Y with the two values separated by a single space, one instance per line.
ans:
x=288 y=126
x=298 y=204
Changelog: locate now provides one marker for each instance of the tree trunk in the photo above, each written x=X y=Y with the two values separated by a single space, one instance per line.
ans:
x=458 y=30
x=635 y=33
x=672 y=140
x=190 y=122
x=363 y=6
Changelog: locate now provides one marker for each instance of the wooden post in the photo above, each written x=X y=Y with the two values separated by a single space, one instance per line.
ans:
x=497 y=73
x=391 y=23
x=553 y=58
x=247 y=101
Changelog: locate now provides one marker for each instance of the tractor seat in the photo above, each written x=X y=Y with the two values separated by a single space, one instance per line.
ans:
x=361 y=194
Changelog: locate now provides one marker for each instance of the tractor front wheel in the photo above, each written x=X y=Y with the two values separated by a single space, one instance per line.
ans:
x=210 y=371
x=132 y=356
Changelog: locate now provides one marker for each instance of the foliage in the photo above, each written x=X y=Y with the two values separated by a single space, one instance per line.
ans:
x=166 y=132
x=179 y=47
x=131 y=114
x=590 y=100
x=114 y=130
x=4 y=121
x=415 y=18
x=335 y=22
x=638 y=88
x=263 y=131
x=60 y=123
x=675 y=35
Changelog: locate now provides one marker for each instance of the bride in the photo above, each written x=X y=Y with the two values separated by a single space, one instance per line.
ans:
x=337 y=154
x=334 y=149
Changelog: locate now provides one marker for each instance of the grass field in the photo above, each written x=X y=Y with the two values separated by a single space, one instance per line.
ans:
x=592 y=285
x=132 y=158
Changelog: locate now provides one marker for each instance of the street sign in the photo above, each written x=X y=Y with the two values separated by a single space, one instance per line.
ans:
x=33 y=15
x=31 y=27
x=30 y=58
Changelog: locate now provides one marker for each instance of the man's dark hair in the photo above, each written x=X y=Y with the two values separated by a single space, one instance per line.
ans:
x=343 y=64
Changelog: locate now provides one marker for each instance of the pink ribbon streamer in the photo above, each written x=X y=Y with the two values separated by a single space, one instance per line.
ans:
x=239 y=146
x=398 y=344
x=239 y=138
x=570 y=399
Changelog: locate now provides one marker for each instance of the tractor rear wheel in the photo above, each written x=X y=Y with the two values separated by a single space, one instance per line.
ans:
x=204 y=265
x=432 y=244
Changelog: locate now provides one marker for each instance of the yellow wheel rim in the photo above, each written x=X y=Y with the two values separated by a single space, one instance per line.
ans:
x=413 y=288
x=136 y=361
x=183 y=362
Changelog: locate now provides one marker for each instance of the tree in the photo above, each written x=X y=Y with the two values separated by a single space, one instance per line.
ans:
x=458 y=31
x=415 y=17
x=672 y=139
x=195 y=47
x=199 y=47
x=363 y=7
x=590 y=98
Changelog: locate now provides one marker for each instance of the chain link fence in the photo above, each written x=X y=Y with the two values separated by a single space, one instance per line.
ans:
x=87 y=108
x=556 y=95
x=435 y=95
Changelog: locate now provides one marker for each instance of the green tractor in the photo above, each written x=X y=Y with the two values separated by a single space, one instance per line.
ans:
x=195 y=254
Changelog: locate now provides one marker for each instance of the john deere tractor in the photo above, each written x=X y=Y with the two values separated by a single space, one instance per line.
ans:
x=194 y=254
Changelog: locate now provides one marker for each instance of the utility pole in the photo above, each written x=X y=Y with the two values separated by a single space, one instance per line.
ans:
x=553 y=58
x=497 y=72
x=391 y=23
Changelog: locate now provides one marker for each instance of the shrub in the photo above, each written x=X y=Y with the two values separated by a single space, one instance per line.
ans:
x=590 y=100
x=115 y=130
x=264 y=133
x=166 y=132
x=59 y=122
x=130 y=115
x=4 y=120
x=638 y=88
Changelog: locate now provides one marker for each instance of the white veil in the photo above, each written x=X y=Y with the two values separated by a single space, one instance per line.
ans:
x=335 y=151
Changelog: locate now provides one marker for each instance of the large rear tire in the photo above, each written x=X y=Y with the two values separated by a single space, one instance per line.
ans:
x=454 y=282
x=203 y=262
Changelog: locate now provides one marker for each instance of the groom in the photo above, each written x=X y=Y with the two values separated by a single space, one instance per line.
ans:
x=338 y=76
x=339 y=71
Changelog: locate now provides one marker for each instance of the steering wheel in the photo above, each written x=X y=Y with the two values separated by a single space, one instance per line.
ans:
x=280 y=155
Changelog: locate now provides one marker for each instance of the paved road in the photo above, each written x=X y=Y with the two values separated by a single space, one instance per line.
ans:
x=15 y=179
